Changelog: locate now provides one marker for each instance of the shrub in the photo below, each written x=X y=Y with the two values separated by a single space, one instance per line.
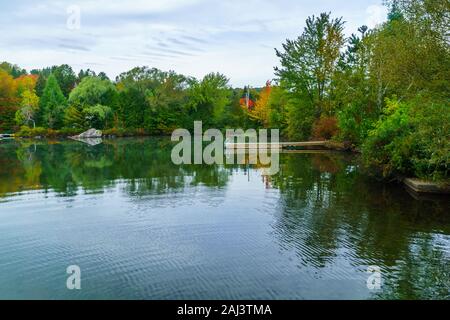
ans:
x=411 y=138
x=51 y=133
x=24 y=132
x=122 y=132
x=28 y=132
x=355 y=122
x=112 y=132
x=325 y=128
x=67 y=132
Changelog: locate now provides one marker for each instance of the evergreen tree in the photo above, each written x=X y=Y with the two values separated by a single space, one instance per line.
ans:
x=52 y=104
x=394 y=11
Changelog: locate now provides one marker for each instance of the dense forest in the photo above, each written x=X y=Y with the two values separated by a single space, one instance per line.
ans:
x=385 y=91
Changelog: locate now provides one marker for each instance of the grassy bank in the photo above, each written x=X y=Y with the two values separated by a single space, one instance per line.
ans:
x=40 y=132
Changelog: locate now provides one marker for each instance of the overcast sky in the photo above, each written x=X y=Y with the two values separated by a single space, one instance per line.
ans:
x=193 y=37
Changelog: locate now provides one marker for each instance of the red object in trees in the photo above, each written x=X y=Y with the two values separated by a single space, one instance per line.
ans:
x=251 y=103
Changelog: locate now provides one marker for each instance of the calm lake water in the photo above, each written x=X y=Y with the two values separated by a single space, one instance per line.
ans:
x=141 y=227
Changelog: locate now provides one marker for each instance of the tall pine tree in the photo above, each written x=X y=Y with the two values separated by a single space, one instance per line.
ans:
x=52 y=105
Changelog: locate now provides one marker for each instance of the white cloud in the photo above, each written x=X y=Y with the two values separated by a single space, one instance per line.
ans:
x=105 y=7
x=136 y=6
x=188 y=36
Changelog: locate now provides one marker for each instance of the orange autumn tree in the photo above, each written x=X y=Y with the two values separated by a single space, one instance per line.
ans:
x=26 y=83
x=14 y=94
x=260 y=112
x=9 y=101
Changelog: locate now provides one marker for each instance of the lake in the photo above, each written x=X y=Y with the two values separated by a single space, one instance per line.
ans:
x=140 y=227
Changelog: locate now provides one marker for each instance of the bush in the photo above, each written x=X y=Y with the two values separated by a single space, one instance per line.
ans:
x=28 y=132
x=24 y=132
x=411 y=139
x=355 y=122
x=121 y=132
x=325 y=128
x=51 y=133
x=67 y=132
x=118 y=132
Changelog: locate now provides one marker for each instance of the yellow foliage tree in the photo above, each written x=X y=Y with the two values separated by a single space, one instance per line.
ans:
x=260 y=112
x=26 y=83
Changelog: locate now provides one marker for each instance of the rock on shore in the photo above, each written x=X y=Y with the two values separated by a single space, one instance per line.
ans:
x=91 y=133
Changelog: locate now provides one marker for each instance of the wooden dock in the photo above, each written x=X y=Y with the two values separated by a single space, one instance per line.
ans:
x=423 y=186
x=277 y=145
x=6 y=135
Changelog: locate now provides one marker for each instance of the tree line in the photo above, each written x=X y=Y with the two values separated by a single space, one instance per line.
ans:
x=145 y=100
x=382 y=90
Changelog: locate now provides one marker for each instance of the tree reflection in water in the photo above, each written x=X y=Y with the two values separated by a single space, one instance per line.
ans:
x=332 y=209
x=327 y=209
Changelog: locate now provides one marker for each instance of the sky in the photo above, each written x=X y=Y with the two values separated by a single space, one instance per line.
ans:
x=192 y=37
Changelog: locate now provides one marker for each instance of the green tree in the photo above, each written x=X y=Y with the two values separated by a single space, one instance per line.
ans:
x=355 y=95
x=14 y=70
x=91 y=103
x=278 y=108
x=92 y=91
x=410 y=51
x=52 y=104
x=43 y=75
x=208 y=99
x=97 y=116
x=308 y=68
x=85 y=73
x=234 y=115
x=132 y=106
x=152 y=99
x=134 y=86
x=28 y=108
x=64 y=75
x=103 y=76
x=66 y=78
x=74 y=118
x=167 y=101
x=300 y=117
x=40 y=83
x=309 y=63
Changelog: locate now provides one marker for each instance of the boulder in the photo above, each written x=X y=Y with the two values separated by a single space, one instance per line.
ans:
x=91 y=133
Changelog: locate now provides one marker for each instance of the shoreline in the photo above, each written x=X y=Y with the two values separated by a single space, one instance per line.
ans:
x=414 y=184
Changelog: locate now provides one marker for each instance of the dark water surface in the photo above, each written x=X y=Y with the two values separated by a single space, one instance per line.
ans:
x=141 y=227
